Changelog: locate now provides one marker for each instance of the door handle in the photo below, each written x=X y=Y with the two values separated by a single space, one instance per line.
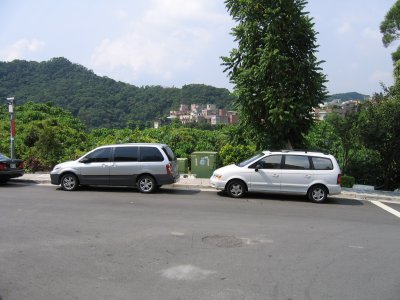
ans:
x=275 y=175
x=307 y=176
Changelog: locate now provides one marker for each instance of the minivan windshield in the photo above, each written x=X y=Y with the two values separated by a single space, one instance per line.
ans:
x=250 y=160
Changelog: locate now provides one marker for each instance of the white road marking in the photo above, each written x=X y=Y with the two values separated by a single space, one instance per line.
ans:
x=248 y=241
x=356 y=247
x=186 y=272
x=387 y=208
x=177 y=233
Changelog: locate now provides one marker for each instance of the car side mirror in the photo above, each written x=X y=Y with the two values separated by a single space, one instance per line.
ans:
x=258 y=166
x=85 y=160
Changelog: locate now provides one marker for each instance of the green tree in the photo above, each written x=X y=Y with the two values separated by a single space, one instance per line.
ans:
x=379 y=129
x=345 y=127
x=275 y=71
x=45 y=135
x=390 y=28
x=322 y=136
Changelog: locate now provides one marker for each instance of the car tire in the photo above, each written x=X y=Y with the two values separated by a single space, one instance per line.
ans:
x=69 y=182
x=236 y=189
x=317 y=194
x=146 y=184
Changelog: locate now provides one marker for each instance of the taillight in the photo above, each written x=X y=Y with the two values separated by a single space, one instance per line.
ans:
x=21 y=165
x=339 y=179
x=3 y=166
x=169 y=169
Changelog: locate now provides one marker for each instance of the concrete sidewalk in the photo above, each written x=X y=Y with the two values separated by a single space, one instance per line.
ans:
x=358 y=193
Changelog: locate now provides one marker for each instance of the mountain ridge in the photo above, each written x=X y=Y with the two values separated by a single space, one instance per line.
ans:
x=100 y=101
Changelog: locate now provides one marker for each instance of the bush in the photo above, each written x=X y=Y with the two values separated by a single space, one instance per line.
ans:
x=348 y=181
x=365 y=165
x=233 y=154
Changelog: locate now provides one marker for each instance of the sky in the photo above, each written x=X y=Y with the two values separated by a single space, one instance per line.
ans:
x=178 y=42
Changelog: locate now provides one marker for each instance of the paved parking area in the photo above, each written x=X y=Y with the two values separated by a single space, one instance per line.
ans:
x=114 y=243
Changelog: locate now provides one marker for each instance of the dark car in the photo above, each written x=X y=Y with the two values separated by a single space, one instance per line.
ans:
x=10 y=168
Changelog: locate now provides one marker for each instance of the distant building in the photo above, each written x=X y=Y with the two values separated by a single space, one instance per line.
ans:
x=338 y=106
x=207 y=113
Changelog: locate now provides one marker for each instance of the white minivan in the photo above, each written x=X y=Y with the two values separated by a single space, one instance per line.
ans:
x=146 y=166
x=314 y=174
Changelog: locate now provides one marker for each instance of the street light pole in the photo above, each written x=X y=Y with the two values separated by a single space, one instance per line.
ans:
x=12 y=121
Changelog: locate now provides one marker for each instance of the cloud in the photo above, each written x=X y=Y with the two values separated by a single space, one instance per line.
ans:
x=381 y=76
x=120 y=14
x=168 y=37
x=344 y=28
x=372 y=34
x=20 y=49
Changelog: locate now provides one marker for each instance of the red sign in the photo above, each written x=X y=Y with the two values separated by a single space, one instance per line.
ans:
x=13 y=128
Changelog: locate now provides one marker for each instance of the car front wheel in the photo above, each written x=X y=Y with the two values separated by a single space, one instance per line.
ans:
x=317 y=194
x=69 y=182
x=236 y=189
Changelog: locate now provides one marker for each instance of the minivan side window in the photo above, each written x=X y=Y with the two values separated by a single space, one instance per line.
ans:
x=150 y=154
x=296 y=162
x=321 y=163
x=126 y=154
x=269 y=162
x=169 y=153
x=99 y=155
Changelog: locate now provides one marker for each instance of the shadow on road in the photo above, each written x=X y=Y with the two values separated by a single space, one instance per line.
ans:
x=109 y=189
x=179 y=191
x=291 y=198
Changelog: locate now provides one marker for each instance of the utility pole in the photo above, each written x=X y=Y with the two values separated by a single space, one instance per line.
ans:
x=12 y=122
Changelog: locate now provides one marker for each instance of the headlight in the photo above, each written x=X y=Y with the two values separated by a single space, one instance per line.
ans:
x=57 y=167
x=217 y=176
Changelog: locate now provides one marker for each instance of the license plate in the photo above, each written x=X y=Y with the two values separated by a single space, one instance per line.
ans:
x=13 y=166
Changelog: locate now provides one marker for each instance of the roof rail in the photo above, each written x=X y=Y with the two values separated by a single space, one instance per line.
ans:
x=293 y=150
x=304 y=150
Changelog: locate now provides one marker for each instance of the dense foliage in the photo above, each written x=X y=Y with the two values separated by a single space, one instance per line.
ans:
x=390 y=28
x=45 y=135
x=99 y=101
x=366 y=143
x=379 y=129
x=274 y=69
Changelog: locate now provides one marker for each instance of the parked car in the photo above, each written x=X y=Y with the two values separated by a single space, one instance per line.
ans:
x=146 y=166
x=313 y=174
x=10 y=168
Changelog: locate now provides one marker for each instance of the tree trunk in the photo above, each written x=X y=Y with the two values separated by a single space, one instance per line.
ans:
x=289 y=145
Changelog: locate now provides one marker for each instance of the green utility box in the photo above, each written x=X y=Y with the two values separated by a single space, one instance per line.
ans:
x=203 y=163
x=183 y=166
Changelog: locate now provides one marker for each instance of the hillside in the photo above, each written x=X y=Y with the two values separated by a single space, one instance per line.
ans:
x=99 y=101
x=347 y=96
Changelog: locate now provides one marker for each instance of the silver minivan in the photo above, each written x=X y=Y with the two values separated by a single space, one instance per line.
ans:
x=314 y=174
x=147 y=166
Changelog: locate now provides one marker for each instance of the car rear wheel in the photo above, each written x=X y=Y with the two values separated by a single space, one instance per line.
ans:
x=317 y=194
x=236 y=189
x=146 y=184
x=69 y=182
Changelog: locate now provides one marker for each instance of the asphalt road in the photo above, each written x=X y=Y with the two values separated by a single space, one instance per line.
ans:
x=104 y=243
